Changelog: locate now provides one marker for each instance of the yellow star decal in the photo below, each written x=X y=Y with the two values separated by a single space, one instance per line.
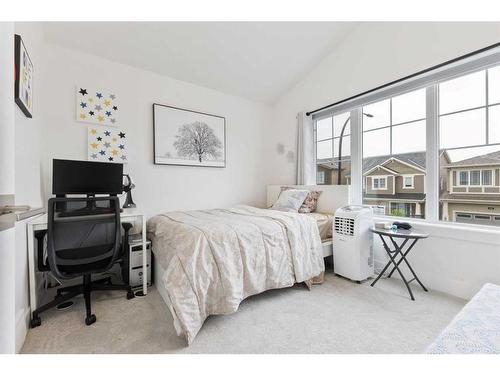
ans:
x=114 y=152
x=93 y=132
x=90 y=100
x=82 y=116
x=107 y=102
x=94 y=145
x=114 y=139
x=100 y=118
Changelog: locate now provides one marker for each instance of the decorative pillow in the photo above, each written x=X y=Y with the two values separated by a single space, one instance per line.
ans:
x=310 y=203
x=290 y=200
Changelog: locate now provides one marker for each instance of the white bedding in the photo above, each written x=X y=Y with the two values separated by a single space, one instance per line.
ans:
x=214 y=259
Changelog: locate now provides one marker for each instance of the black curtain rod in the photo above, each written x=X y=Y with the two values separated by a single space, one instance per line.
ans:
x=407 y=77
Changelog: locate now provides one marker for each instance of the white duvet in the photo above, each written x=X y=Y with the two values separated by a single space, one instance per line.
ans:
x=214 y=259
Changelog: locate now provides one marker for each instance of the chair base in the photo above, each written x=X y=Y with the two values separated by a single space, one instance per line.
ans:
x=66 y=293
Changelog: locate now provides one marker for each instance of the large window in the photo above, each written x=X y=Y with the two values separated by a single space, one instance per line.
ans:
x=459 y=161
x=394 y=154
x=333 y=150
x=469 y=123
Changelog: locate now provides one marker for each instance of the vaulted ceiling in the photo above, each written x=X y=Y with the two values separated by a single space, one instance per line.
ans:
x=255 y=60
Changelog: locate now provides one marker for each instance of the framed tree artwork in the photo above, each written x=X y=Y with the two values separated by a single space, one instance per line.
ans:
x=191 y=138
x=23 y=67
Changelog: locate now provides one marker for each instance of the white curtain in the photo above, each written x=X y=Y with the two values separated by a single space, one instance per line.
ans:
x=306 y=168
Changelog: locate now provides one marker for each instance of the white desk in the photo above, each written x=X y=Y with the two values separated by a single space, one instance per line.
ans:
x=40 y=223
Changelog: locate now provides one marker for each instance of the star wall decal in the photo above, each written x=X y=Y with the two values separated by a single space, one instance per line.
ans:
x=121 y=134
x=105 y=143
x=99 y=106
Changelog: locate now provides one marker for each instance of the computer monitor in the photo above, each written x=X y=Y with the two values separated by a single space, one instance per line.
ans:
x=86 y=177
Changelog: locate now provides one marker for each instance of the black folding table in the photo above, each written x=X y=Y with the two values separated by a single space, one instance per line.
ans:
x=410 y=238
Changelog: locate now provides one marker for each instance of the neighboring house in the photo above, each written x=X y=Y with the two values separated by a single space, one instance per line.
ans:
x=396 y=183
x=472 y=192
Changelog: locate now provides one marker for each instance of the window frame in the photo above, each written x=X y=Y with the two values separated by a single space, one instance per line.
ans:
x=412 y=177
x=379 y=178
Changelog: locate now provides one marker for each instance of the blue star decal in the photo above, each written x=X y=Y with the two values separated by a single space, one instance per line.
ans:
x=102 y=152
x=83 y=105
x=121 y=147
x=107 y=133
x=108 y=113
x=98 y=94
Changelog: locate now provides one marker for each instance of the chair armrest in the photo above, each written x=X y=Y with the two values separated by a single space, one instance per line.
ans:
x=39 y=235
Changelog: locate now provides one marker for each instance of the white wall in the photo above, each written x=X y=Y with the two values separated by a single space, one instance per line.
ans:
x=159 y=188
x=28 y=171
x=7 y=186
x=374 y=54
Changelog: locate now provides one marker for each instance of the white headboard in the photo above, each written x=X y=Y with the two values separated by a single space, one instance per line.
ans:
x=331 y=198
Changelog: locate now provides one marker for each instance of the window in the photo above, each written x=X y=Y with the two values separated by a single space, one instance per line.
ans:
x=486 y=177
x=460 y=105
x=394 y=142
x=469 y=138
x=407 y=182
x=320 y=178
x=333 y=149
x=379 y=183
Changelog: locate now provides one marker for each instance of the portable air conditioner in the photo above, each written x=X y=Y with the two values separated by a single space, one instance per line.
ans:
x=353 y=242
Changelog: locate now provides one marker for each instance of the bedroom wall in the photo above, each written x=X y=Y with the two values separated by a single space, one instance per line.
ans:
x=159 y=188
x=28 y=171
x=374 y=54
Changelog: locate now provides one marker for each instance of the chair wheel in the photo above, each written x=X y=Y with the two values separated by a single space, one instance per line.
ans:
x=35 y=322
x=90 y=319
x=130 y=294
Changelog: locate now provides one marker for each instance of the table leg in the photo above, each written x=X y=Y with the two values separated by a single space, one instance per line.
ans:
x=31 y=267
x=393 y=261
x=403 y=258
x=406 y=253
x=144 y=258
x=388 y=250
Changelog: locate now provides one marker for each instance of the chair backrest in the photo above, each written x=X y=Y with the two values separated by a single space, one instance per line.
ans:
x=83 y=235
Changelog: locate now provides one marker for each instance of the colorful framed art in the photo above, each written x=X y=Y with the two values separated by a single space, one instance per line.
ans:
x=23 y=86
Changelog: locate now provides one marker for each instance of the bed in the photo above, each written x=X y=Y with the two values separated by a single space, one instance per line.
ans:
x=208 y=261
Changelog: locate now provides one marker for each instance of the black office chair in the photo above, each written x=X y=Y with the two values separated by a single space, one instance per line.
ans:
x=83 y=238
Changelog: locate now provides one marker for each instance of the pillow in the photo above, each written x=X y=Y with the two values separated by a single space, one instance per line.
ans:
x=290 y=200
x=310 y=203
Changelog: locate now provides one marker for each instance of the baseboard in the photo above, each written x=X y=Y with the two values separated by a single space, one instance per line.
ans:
x=22 y=326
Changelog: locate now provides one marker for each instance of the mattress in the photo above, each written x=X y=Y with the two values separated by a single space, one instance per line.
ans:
x=325 y=224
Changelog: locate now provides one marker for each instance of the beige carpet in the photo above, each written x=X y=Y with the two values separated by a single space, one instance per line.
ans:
x=338 y=316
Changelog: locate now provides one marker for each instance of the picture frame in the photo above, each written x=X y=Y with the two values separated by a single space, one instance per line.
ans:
x=185 y=137
x=23 y=68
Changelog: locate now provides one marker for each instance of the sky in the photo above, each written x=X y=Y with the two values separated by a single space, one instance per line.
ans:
x=466 y=105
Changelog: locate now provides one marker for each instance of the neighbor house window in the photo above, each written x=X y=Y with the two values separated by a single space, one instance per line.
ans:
x=394 y=144
x=333 y=149
x=487 y=177
x=407 y=182
x=379 y=183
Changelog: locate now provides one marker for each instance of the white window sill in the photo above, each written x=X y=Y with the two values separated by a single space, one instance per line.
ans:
x=451 y=230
